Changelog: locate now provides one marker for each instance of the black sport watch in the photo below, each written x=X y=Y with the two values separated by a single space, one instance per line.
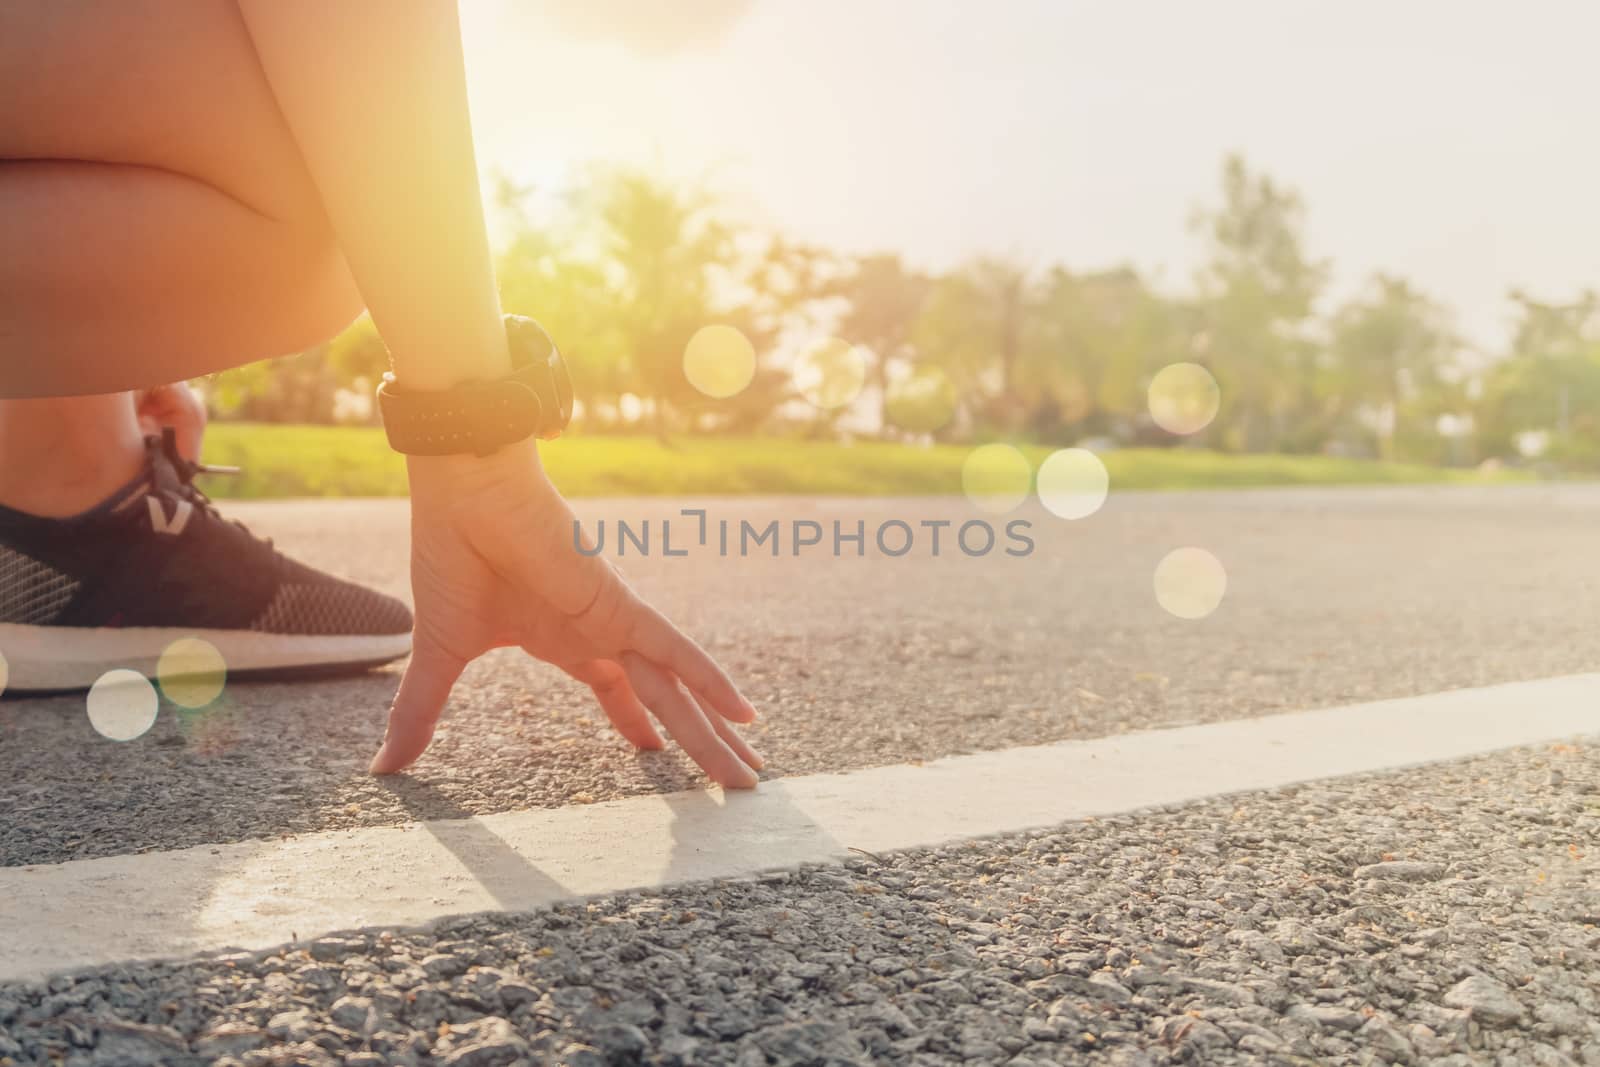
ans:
x=481 y=418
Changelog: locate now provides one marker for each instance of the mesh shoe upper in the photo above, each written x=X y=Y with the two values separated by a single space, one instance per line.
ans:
x=31 y=591
x=310 y=602
x=156 y=553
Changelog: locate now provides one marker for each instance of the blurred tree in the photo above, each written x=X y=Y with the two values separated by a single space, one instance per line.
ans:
x=357 y=361
x=359 y=352
x=883 y=300
x=659 y=246
x=922 y=399
x=627 y=268
x=1093 y=341
x=632 y=271
x=1256 y=290
x=1391 y=349
x=297 y=388
x=974 y=325
x=1550 y=383
x=770 y=288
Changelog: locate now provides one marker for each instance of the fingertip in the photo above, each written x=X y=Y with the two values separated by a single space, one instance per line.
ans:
x=733 y=739
x=424 y=688
x=740 y=771
x=741 y=748
x=388 y=761
x=403 y=744
x=628 y=716
x=734 y=708
x=744 y=778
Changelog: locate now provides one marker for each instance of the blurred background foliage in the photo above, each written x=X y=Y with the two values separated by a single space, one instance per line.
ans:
x=630 y=267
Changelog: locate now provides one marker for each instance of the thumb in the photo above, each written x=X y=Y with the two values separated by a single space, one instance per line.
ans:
x=423 y=691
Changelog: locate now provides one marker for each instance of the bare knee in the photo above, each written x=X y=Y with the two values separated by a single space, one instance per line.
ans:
x=155 y=185
x=312 y=296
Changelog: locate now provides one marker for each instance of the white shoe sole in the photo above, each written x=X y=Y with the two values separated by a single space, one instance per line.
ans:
x=43 y=658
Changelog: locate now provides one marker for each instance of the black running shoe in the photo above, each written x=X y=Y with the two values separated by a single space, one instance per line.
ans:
x=116 y=585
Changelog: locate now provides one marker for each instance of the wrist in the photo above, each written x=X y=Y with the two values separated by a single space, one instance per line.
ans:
x=482 y=416
x=438 y=377
x=477 y=355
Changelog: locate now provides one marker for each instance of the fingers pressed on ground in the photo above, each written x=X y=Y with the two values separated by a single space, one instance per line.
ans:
x=424 y=688
x=661 y=642
x=620 y=703
x=731 y=737
x=689 y=726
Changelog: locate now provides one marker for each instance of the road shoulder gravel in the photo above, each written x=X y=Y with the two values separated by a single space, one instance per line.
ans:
x=1445 y=914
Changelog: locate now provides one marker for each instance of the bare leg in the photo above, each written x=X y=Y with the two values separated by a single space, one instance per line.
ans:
x=183 y=176
x=156 y=222
x=62 y=455
x=156 y=218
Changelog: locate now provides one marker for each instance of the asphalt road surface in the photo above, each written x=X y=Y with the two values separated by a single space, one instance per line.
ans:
x=1440 y=915
x=1224 y=931
x=1333 y=597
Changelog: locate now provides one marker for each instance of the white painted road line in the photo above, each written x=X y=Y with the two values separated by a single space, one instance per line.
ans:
x=258 y=894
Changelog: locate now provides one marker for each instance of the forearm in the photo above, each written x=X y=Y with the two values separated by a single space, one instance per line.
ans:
x=375 y=94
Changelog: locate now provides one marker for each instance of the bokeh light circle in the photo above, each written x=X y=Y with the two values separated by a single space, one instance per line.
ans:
x=191 y=672
x=830 y=375
x=996 y=477
x=1184 y=398
x=1190 y=582
x=921 y=400
x=122 y=705
x=1073 y=483
x=719 y=361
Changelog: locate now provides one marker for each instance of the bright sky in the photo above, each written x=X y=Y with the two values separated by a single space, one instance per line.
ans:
x=1450 y=142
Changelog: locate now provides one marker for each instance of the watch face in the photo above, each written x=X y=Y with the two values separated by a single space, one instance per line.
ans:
x=531 y=345
x=529 y=342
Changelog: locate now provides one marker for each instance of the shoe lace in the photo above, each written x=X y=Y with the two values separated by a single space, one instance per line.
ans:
x=186 y=469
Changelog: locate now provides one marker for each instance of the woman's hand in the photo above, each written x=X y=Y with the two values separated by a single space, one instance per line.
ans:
x=177 y=406
x=493 y=564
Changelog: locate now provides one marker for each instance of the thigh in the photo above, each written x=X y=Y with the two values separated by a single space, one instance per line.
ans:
x=168 y=84
x=156 y=218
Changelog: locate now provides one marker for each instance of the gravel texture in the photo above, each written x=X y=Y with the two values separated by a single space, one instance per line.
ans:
x=1446 y=914
x=1334 y=596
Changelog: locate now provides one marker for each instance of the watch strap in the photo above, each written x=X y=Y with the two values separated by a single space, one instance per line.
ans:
x=478 y=417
